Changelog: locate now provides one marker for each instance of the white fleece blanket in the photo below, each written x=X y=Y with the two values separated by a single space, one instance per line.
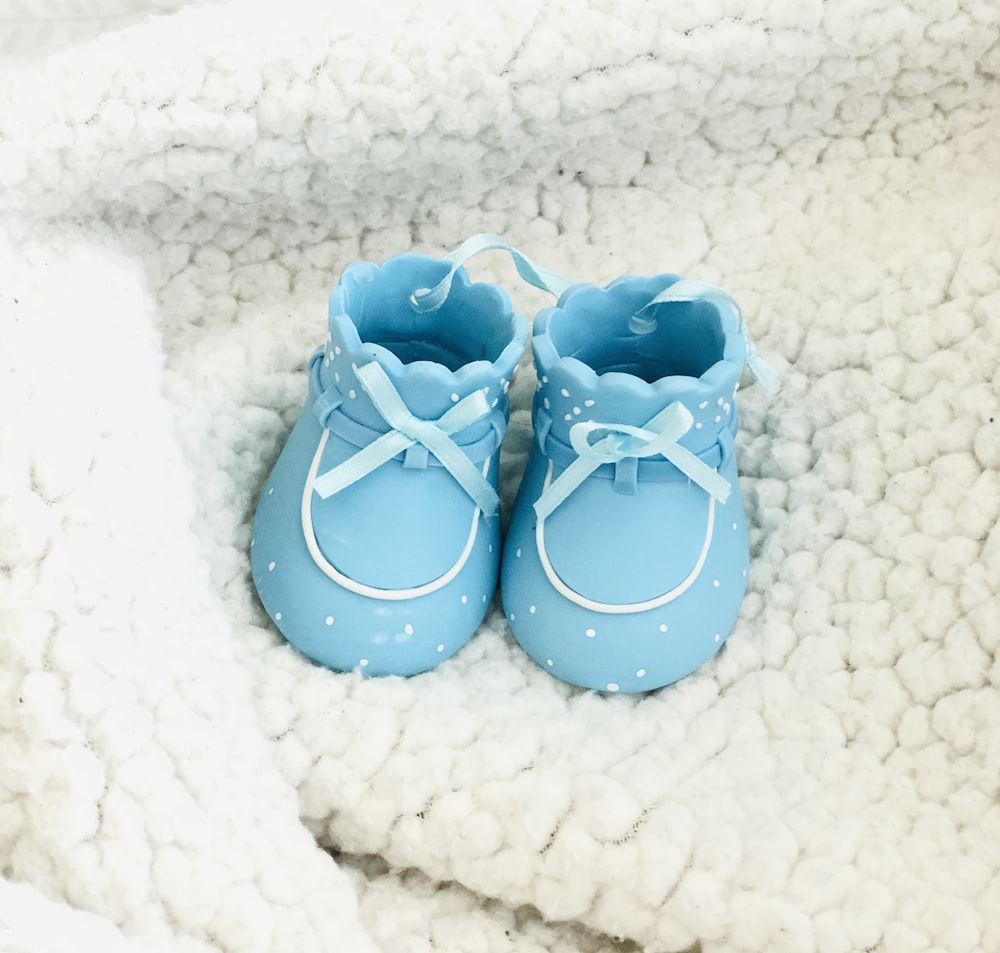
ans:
x=175 y=201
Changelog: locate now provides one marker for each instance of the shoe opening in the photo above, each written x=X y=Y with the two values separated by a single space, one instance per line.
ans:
x=475 y=322
x=597 y=326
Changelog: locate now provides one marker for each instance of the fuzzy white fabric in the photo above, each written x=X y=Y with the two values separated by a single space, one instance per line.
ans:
x=176 y=199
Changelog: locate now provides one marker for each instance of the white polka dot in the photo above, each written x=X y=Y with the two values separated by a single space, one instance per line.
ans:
x=663 y=627
x=703 y=405
x=588 y=403
x=484 y=600
x=725 y=407
x=531 y=609
x=518 y=552
x=329 y=620
x=564 y=392
x=251 y=543
x=465 y=599
x=491 y=547
x=744 y=574
x=577 y=411
x=697 y=426
x=277 y=616
x=271 y=565
x=270 y=490
x=590 y=633
x=734 y=526
x=363 y=662
x=505 y=385
x=336 y=350
x=545 y=380
x=720 y=402
x=718 y=419
x=612 y=686
x=567 y=417
x=454 y=398
x=336 y=377
x=326 y=361
x=408 y=629
x=546 y=403
x=352 y=393
x=512 y=617
x=718 y=638
x=715 y=582
x=641 y=673
x=548 y=661
x=441 y=647
x=495 y=402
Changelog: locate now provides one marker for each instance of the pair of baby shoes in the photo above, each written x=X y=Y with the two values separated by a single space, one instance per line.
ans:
x=376 y=543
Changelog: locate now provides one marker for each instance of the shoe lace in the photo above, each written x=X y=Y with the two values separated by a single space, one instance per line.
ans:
x=659 y=436
x=620 y=441
x=408 y=430
x=434 y=435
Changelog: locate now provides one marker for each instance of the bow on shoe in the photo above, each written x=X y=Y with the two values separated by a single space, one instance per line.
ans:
x=407 y=431
x=621 y=442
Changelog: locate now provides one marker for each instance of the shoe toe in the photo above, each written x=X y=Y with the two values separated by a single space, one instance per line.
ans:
x=624 y=593
x=390 y=589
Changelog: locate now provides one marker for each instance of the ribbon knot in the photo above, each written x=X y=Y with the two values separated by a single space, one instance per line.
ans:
x=659 y=437
x=623 y=440
x=409 y=431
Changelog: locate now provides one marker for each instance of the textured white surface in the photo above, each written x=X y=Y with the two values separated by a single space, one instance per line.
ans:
x=31 y=30
x=177 y=200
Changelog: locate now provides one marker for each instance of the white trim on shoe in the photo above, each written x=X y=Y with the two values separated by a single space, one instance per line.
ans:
x=361 y=588
x=612 y=607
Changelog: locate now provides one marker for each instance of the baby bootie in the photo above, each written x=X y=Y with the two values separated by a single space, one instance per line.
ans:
x=376 y=539
x=626 y=559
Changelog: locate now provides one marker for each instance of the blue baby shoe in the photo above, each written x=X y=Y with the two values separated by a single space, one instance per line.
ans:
x=626 y=559
x=376 y=540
